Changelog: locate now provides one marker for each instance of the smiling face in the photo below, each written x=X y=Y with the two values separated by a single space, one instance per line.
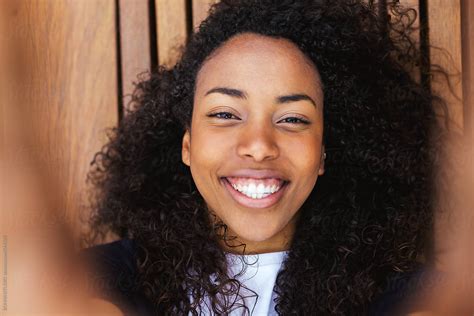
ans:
x=255 y=146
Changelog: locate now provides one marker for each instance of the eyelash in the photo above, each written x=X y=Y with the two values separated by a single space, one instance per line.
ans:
x=301 y=120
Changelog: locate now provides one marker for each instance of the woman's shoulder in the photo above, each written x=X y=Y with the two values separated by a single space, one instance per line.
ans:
x=117 y=255
x=114 y=277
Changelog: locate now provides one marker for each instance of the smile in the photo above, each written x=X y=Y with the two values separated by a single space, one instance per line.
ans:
x=255 y=193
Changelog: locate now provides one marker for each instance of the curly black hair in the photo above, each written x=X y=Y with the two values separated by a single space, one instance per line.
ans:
x=368 y=217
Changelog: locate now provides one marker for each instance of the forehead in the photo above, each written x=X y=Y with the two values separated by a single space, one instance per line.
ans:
x=250 y=61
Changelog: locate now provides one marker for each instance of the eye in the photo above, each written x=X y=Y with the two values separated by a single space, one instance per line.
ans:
x=223 y=115
x=295 y=120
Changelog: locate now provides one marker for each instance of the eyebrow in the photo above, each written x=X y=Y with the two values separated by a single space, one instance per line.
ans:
x=244 y=96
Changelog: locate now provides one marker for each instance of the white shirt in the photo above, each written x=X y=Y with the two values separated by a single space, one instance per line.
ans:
x=260 y=276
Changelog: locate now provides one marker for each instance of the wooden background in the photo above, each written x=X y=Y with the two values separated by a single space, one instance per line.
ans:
x=81 y=57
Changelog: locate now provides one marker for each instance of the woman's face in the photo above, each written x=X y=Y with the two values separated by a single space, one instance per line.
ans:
x=255 y=145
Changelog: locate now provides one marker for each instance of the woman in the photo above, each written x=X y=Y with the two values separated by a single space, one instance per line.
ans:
x=291 y=137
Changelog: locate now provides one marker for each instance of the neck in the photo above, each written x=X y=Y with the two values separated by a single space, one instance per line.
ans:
x=240 y=246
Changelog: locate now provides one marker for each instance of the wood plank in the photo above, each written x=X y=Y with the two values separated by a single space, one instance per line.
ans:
x=468 y=64
x=171 y=29
x=200 y=11
x=444 y=22
x=70 y=80
x=444 y=19
x=134 y=43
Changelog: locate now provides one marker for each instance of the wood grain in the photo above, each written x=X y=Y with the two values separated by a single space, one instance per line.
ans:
x=468 y=64
x=444 y=18
x=69 y=87
x=134 y=43
x=171 y=29
x=200 y=11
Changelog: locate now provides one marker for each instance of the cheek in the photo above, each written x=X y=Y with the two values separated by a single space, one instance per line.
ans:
x=305 y=154
x=209 y=152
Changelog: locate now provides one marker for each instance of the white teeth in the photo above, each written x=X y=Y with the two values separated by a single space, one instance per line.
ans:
x=252 y=188
x=256 y=191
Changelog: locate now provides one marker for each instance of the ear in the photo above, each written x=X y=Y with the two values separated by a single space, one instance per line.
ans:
x=186 y=148
x=321 y=163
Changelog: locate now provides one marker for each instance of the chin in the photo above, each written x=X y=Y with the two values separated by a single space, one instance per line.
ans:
x=256 y=237
x=252 y=233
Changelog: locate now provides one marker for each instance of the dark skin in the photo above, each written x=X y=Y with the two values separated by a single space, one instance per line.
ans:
x=257 y=129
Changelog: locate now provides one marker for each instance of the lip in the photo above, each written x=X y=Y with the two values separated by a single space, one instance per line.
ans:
x=244 y=200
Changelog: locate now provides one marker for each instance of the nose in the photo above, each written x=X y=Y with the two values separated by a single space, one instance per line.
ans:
x=257 y=141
